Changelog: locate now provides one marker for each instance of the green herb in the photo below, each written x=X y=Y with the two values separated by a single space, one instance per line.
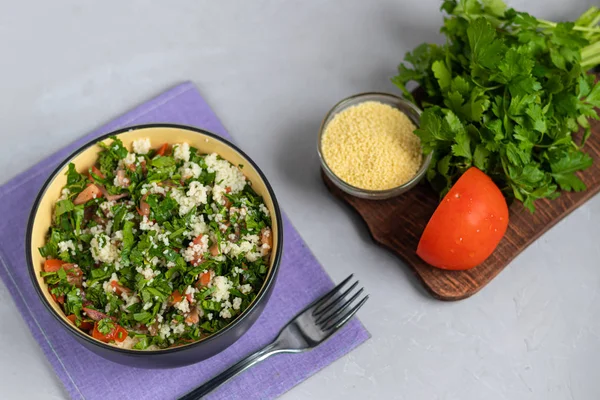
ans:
x=96 y=295
x=105 y=326
x=62 y=207
x=75 y=181
x=162 y=210
x=209 y=305
x=128 y=240
x=62 y=274
x=142 y=317
x=506 y=94
x=143 y=342
x=73 y=303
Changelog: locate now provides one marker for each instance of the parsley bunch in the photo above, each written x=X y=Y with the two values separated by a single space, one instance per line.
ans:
x=506 y=93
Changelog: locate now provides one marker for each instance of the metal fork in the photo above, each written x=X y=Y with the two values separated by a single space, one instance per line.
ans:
x=311 y=327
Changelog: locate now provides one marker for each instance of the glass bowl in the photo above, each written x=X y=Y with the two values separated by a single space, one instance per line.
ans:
x=405 y=106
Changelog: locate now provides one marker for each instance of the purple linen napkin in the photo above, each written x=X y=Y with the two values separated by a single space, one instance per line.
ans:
x=86 y=375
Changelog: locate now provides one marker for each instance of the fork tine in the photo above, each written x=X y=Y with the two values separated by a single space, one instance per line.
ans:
x=333 y=302
x=345 y=318
x=326 y=317
x=332 y=292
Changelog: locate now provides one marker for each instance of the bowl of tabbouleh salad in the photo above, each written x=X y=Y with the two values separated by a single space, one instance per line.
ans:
x=156 y=245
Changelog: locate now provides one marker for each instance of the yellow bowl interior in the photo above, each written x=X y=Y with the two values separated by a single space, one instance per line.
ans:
x=157 y=135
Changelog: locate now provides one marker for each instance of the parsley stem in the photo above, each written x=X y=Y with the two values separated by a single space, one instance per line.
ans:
x=575 y=28
x=590 y=50
x=590 y=62
x=486 y=87
x=590 y=56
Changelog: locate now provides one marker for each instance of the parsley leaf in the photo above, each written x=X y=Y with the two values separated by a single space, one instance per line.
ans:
x=507 y=93
x=105 y=326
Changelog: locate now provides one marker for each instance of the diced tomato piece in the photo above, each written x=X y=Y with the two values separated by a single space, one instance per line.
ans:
x=87 y=194
x=86 y=325
x=119 y=289
x=214 y=250
x=74 y=273
x=197 y=255
x=176 y=297
x=198 y=239
x=52 y=265
x=193 y=317
x=162 y=150
x=204 y=278
x=83 y=325
x=96 y=334
x=96 y=172
x=266 y=237
x=118 y=334
x=59 y=299
x=189 y=297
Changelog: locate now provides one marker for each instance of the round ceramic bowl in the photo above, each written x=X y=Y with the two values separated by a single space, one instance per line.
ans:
x=84 y=158
x=405 y=106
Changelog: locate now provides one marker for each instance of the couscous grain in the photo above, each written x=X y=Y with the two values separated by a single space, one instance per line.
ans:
x=372 y=146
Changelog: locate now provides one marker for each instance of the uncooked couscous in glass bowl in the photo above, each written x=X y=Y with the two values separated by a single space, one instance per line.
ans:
x=368 y=148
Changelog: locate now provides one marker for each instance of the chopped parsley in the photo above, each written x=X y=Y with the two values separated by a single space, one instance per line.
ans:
x=171 y=247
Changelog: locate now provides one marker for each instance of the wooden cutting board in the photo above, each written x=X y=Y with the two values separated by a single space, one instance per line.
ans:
x=397 y=224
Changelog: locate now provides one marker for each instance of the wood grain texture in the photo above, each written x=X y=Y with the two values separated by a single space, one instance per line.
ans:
x=397 y=224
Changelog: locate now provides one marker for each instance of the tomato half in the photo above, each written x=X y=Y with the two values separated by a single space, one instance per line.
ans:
x=467 y=225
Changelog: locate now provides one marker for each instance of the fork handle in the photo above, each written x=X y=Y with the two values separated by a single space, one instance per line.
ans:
x=232 y=371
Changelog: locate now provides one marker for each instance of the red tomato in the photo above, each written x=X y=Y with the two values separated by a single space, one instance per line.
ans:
x=119 y=289
x=118 y=334
x=198 y=239
x=193 y=316
x=90 y=192
x=162 y=150
x=84 y=325
x=176 y=297
x=96 y=172
x=204 y=279
x=52 y=265
x=467 y=225
x=59 y=299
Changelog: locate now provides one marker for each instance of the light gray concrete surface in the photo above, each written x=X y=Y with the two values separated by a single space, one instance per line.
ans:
x=271 y=70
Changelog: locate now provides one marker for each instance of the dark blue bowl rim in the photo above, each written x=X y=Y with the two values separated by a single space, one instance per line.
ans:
x=204 y=342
